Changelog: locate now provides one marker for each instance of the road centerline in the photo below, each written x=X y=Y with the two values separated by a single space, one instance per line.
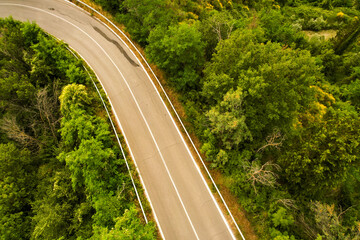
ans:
x=134 y=99
x=144 y=115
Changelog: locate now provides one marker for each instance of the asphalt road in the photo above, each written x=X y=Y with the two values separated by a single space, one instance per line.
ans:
x=181 y=200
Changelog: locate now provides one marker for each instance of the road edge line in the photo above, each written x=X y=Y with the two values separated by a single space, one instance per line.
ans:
x=178 y=117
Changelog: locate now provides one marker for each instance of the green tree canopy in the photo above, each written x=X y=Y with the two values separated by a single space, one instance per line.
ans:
x=127 y=227
x=16 y=186
x=325 y=147
x=178 y=50
x=142 y=16
x=275 y=80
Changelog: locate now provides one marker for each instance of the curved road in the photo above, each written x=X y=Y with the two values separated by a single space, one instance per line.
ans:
x=182 y=202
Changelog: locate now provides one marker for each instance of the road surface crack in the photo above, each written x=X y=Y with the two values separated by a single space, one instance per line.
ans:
x=117 y=45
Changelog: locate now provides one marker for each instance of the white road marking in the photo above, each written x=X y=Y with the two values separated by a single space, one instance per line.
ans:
x=115 y=132
x=178 y=130
x=131 y=153
x=161 y=156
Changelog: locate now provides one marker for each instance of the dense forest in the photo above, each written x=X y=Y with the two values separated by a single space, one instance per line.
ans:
x=272 y=90
x=62 y=176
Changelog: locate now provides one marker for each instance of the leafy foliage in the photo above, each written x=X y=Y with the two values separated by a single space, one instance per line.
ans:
x=143 y=16
x=227 y=120
x=16 y=173
x=325 y=150
x=179 y=51
x=276 y=110
x=127 y=226
x=263 y=69
x=61 y=175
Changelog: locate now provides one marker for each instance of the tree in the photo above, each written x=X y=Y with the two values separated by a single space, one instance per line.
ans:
x=275 y=81
x=73 y=97
x=127 y=227
x=16 y=186
x=222 y=24
x=216 y=26
x=113 y=6
x=51 y=219
x=328 y=220
x=109 y=207
x=143 y=16
x=273 y=140
x=12 y=46
x=58 y=210
x=282 y=222
x=15 y=132
x=262 y=174
x=37 y=191
x=47 y=105
x=179 y=51
x=347 y=36
x=91 y=166
x=86 y=143
x=227 y=120
x=319 y=154
x=277 y=29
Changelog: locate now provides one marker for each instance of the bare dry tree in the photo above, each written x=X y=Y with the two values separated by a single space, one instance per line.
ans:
x=120 y=191
x=48 y=106
x=309 y=230
x=221 y=23
x=15 y=132
x=273 y=140
x=288 y=203
x=216 y=26
x=264 y=174
x=342 y=212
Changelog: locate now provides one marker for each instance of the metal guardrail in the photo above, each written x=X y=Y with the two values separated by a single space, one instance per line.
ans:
x=173 y=108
